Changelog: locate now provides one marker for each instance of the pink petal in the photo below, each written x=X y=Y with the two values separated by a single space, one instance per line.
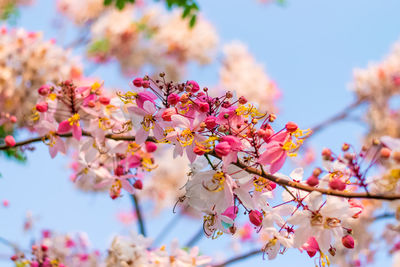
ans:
x=64 y=127
x=77 y=132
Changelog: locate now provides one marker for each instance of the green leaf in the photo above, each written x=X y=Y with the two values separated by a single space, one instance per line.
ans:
x=108 y=2
x=192 y=21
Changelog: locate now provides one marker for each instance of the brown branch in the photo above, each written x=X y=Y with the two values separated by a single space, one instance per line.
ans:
x=251 y=170
x=239 y=258
x=135 y=201
x=344 y=113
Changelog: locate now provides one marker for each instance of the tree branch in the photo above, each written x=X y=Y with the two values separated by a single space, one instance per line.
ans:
x=243 y=166
x=338 y=116
x=135 y=201
x=239 y=258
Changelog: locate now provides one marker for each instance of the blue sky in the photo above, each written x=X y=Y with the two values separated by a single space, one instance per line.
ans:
x=308 y=47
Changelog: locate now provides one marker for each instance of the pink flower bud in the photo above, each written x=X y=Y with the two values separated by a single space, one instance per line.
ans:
x=326 y=153
x=6 y=203
x=385 y=152
x=204 y=107
x=138 y=184
x=151 y=147
x=44 y=90
x=166 y=116
x=222 y=149
x=173 y=99
x=337 y=184
x=42 y=107
x=348 y=241
x=199 y=150
x=10 y=141
x=14 y=257
x=231 y=212
x=138 y=82
x=119 y=171
x=291 y=127
x=146 y=84
x=268 y=133
x=270 y=186
x=255 y=217
x=44 y=247
x=242 y=100
x=210 y=122
x=104 y=100
x=312 y=180
x=13 y=119
x=195 y=86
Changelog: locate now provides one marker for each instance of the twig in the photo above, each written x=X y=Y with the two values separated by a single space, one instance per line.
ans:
x=239 y=258
x=338 y=116
x=195 y=238
x=138 y=211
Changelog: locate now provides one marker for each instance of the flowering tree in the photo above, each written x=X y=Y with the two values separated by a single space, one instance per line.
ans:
x=203 y=152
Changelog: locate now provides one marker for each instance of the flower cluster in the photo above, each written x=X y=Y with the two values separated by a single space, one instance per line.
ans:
x=135 y=251
x=26 y=63
x=234 y=151
x=379 y=85
x=241 y=73
x=60 y=251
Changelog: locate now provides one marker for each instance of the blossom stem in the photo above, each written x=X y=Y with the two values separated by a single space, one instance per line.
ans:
x=239 y=258
x=135 y=201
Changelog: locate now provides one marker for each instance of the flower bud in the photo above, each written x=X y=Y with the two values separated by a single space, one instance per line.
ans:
x=229 y=94
x=14 y=257
x=166 y=116
x=242 y=100
x=44 y=90
x=146 y=84
x=222 y=149
x=138 y=82
x=44 y=247
x=138 y=184
x=396 y=156
x=312 y=181
x=199 y=150
x=337 y=184
x=204 y=107
x=255 y=217
x=151 y=147
x=326 y=153
x=42 y=107
x=385 y=152
x=291 y=127
x=13 y=119
x=348 y=241
x=210 y=122
x=104 y=100
x=119 y=171
x=194 y=86
x=316 y=172
x=173 y=99
x=9 y=140
x=345 y=147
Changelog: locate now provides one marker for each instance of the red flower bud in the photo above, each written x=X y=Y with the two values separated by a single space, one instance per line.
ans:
x=44 y=247
x=210 y=122
x=326 y=153
x=146 y=84
x=173 y=99
x=204 y=107
x=119 y=171
x=151 y=147
x=255 y=217
x=222 y=149
x=199 y=150
x=13 y=119
x=104 y=100
x=10 y=141
x=138 y=184
x=291 y=127
x=168 y=113
x=337 y=184
x=14 y=257
x=195 y=86
x=348 y=241
x=385 y=152
x=44 y=90
x=138 y=82
x=42 y=107
x=312 y=180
